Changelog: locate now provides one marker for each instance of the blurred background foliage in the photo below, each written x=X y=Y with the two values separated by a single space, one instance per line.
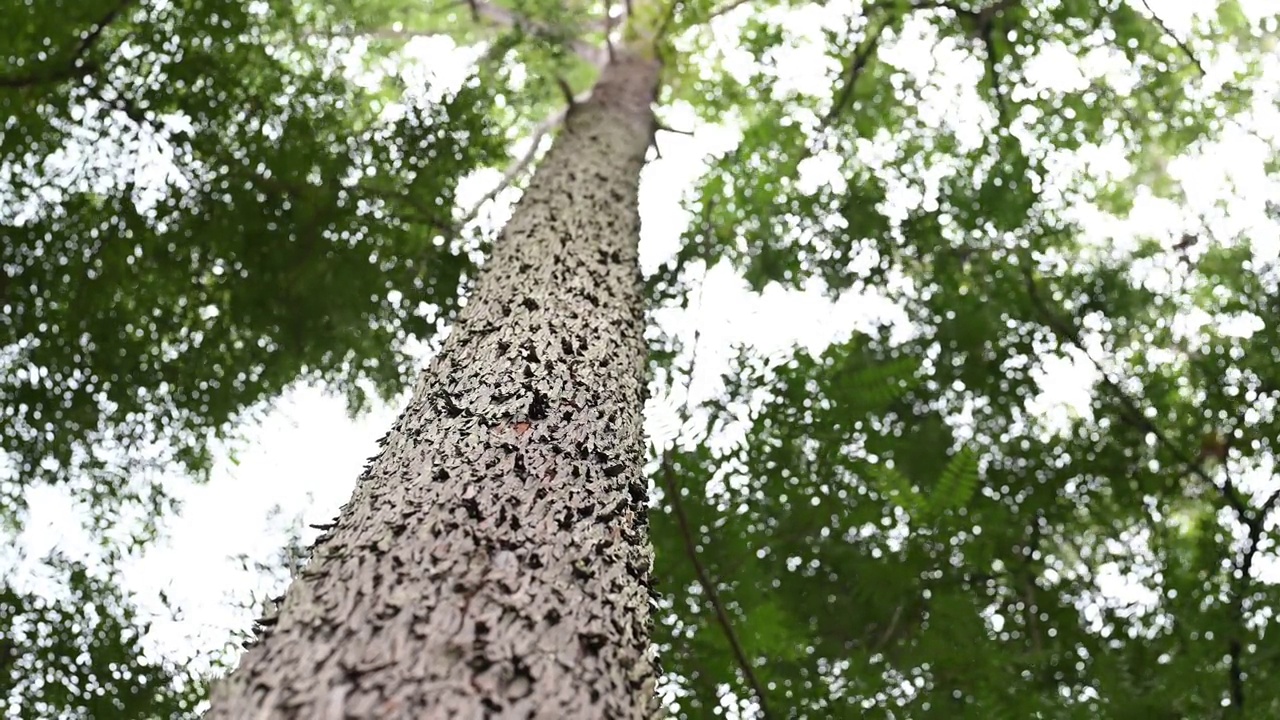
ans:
x=207 y=202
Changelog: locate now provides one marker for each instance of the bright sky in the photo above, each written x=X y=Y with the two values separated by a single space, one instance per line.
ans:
x=303 y=460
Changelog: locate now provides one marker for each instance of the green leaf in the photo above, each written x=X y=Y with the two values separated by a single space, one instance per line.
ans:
x=957 y=483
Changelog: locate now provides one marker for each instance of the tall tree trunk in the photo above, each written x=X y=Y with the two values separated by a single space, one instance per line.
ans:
x=494 y=559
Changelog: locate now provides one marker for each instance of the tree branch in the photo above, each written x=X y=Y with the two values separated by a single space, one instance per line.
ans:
x=691 y=550
x=726 y=8
x=74 y=63
x=857 y=64
x=1132 y=412
x=518 y=166
x=989 y=39
x=1186 y=49
x=1236 y=647
x=658 y=126
x=1255 y=522
x=482 y=10
x=379 y=33
x=889 y=631
x=982 y=16
x=660 y=33
x=709 y=587
x=989 y=13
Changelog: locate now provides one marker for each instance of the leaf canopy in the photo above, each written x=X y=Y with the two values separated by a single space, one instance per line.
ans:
x=205 y=203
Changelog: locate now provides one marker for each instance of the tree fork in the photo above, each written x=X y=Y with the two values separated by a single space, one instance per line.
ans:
x=494 y=558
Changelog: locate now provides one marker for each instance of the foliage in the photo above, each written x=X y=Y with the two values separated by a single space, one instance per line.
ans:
x=202 y=211
x=80 y=655
x=944 y=550
x=198 y=208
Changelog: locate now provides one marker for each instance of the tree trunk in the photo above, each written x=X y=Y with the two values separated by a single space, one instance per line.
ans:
x=494 y=559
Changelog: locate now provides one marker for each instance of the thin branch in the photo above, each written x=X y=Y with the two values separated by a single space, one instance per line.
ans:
x=889 y=631
x=1236 y=676
x=481 y=10
x=1132 y=412
x=660 y=33
x=608 y=23
x=1255 y=522
x=659 y=127
x=709 y=587
x=1186 y=49
x=856 y=65
x=663 y=128
x=984 y=30
x=1235 y=649
x=1267 y=507
x=570 y=100
x=989 y=13
x=943 y=4
x=691 y=547
x=379 y=33
x=988 y=39
x=518 y=166
x=981 y=16
x=727 y=8
x=74 y=64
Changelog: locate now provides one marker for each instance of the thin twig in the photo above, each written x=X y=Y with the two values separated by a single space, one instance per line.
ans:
x=1236 y=676
x=709 y=588
x=1255 y=522
x=1269 y=505
x=659 y=127
x=989 y=39
x=483 y=10
x=889 y=632
x=660 y=33
x=498 y=17
x=984 y=30
x=663 y=128
x=727 y=8
x=384 y=33
x=691 y=547
x=943 y=4
x=520 y=164
x=1132 y=412
x=73 y=63
x=1257 y=526
x=989 y=13
x=567 y=92
x=1186 y=49
x=861 y=57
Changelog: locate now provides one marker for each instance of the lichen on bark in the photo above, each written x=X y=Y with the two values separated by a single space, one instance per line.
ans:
x=494 y=558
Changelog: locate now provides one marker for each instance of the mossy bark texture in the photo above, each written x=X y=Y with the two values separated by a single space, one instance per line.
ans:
x=494 y=561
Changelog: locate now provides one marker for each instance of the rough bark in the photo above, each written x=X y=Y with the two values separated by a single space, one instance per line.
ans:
x=494 y=561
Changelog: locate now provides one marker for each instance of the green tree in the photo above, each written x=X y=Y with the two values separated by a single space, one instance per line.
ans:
x=899 y=530
x=851 y=554
x=80 y=651
x=286 y=227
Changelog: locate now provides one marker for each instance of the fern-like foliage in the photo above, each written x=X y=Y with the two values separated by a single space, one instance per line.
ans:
x=956 y=484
